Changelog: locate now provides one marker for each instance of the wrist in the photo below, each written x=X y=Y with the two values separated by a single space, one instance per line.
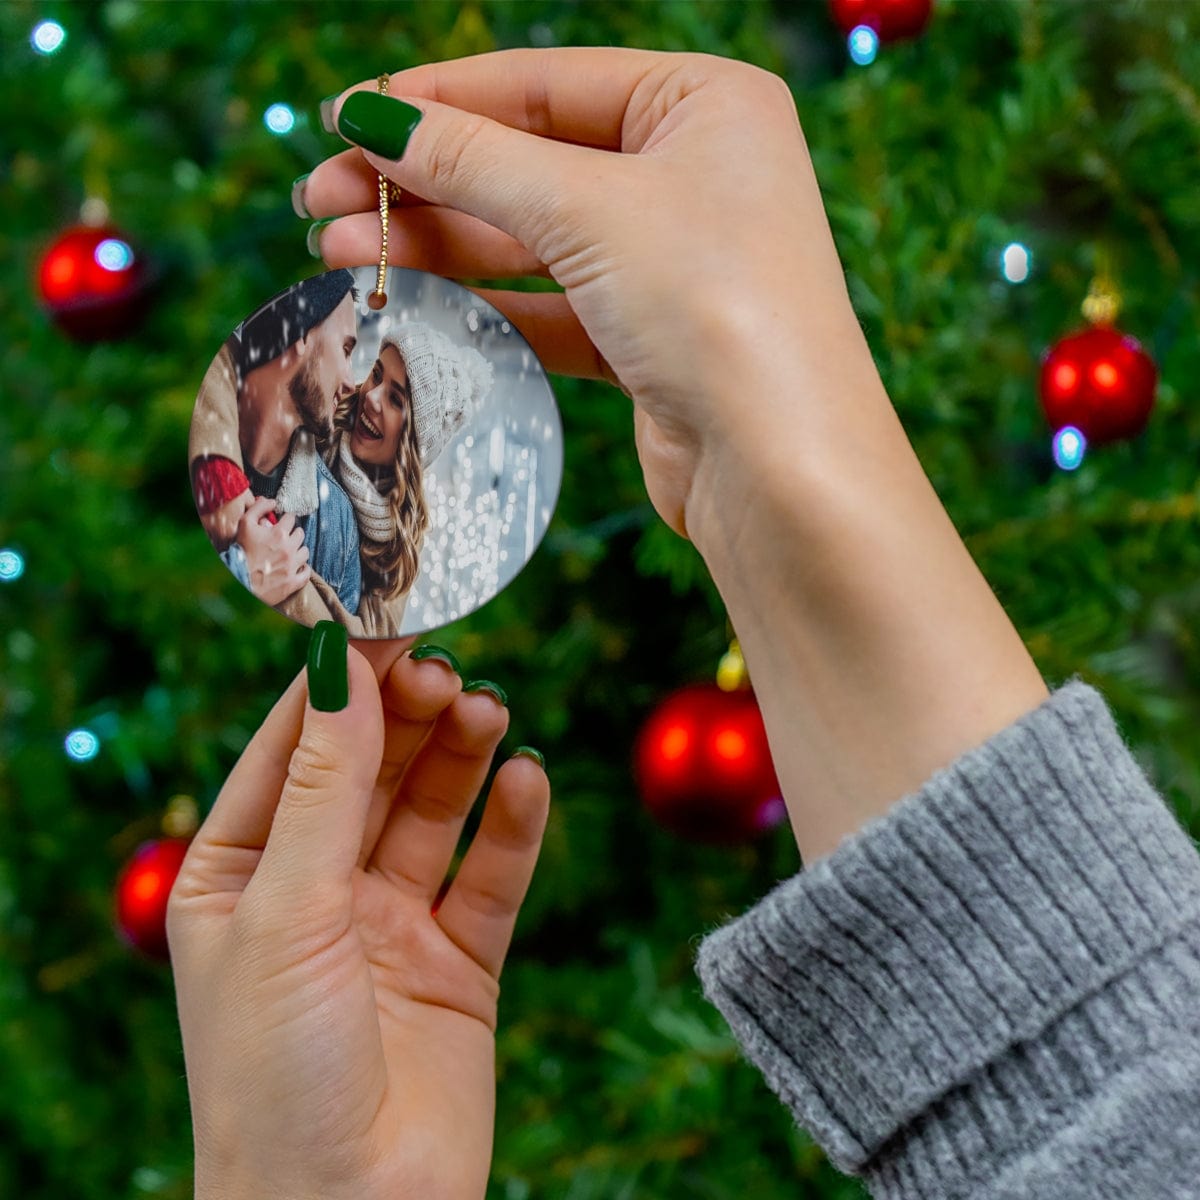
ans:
x=877 y=649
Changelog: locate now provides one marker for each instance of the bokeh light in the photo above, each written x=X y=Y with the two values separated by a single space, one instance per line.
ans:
x=12 y=566
x=1016 y=262
x=1069 y=447
x=47 y=37
x=82 y=745
x=279 y=119
x=863 y=44
x=114 y=255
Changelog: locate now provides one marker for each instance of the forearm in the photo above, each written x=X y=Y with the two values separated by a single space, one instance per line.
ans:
x=876 y=648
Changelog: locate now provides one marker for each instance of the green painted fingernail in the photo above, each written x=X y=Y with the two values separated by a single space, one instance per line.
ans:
x=327 y=112
x=486 y=685
x=313 y=240
x=530 y=752
x=428 y=651
x=328 y=672
x=378 y=123
x=298 y=205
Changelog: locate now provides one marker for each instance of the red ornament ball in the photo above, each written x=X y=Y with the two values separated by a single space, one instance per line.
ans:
x=93 y=283
x=704 y=768
x=1101 y=381
x=142 y=891
x=892 y=20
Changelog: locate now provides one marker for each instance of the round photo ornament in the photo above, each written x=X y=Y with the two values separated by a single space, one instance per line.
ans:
x=387 y=456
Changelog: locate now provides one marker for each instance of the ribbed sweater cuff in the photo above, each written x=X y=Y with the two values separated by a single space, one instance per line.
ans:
x=995 y=941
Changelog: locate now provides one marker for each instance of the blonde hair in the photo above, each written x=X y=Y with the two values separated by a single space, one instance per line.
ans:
x=390 y=568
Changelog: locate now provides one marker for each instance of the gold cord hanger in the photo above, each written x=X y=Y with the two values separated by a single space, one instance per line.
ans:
x=389 y=193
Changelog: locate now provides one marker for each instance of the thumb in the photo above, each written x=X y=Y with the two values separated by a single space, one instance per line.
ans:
x=317 y=832
x=515 y=181
x=258 y=509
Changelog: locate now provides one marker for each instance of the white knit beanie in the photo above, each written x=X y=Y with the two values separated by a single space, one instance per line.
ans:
x=448 y=383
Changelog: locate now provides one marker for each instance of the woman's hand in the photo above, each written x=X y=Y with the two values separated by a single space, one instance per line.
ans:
x=690 y=259
x=673 y=197
x=276 y=556
x=339 y=1036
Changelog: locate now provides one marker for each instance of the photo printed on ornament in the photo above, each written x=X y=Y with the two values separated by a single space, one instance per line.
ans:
x=391 y=470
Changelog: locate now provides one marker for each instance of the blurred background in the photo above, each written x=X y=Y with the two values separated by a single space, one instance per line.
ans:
x=987 y=169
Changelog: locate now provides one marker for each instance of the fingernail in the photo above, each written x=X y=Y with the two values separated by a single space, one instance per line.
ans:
x=327 y=113
x=530 y=752
x=486 y=685
x=378 y=123
x=427 y=651
x=313 y=239
x=328 y=673
x=298 y=205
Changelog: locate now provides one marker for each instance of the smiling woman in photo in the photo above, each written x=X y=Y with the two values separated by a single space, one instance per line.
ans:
x=416 y=396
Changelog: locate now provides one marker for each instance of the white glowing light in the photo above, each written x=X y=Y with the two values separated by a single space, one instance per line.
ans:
x=12 y=566
x=279 y=119
x=114 y=255
x=863 y=44
x=1015 y=263
x=82 y=745
x=1069 y=447
x=47 y=37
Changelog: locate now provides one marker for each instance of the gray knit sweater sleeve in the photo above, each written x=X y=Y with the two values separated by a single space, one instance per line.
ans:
x=994 y=989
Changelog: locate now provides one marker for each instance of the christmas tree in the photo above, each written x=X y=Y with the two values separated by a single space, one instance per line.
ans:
x=980 y=177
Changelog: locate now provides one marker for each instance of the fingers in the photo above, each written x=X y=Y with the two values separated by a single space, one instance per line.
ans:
x=345 y=183
x=419 y=837
x=227 y=846
x=512 y=180
x=317 y=829
x=258 y=510
x=414 y=695
x=571 y=94
x=438 y=240
x=382 y=653
x=548 y=323
x=479 y=912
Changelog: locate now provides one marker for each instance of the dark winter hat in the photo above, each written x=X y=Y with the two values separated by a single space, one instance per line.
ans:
x=287 y=318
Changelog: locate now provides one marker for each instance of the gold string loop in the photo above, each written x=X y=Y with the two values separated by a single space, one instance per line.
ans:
x=389 y=193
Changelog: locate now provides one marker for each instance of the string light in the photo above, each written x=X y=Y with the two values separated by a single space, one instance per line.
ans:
x=863 y=44
x=47 y=37
x=114 y=255
x=82 y=745
x=1069 y=447
x=1015 y=263
x=12 y=566
x=279 y=119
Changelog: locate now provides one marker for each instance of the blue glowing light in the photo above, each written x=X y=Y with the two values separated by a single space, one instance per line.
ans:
x=12 y=566
x=863 y=44
x=1016 y=262
x=114 y=255
x=279 y=119
x=82 y=745
x=1069 y=447
x=47 y=37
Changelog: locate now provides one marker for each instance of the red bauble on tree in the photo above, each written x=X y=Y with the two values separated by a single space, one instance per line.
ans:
x=1100 y=381
x=142 y=891
x=704 y=768
x=891 y=20
x=93 y=283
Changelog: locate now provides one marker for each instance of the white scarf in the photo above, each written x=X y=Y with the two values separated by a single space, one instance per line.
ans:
x=374 y=512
